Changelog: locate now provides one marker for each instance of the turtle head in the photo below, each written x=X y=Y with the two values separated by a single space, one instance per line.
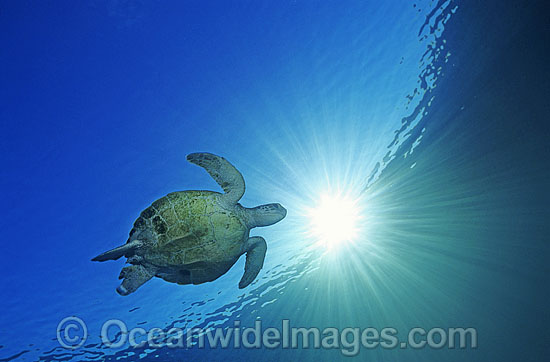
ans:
x=265 y=215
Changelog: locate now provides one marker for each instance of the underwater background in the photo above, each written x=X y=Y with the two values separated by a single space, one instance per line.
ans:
x=432 y=115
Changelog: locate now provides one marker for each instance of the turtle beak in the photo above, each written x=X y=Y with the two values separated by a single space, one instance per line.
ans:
x=266 y=215
x=281 y=210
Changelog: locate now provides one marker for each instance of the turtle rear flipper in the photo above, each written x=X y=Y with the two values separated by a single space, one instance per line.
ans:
x=116 y=253
x=134 y=277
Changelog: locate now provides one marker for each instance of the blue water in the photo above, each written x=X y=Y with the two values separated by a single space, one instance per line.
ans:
x=432 y=115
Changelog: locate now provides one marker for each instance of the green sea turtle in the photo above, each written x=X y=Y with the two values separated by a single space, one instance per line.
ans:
x=193 y=237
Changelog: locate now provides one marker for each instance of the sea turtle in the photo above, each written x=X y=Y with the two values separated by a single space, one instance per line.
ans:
x=193 y=237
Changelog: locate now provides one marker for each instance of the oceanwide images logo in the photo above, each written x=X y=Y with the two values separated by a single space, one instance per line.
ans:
x=72 y=333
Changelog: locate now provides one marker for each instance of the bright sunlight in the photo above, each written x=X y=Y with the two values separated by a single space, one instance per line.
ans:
x=334 y=220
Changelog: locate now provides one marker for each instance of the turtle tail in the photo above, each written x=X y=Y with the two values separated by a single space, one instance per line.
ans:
x=116 y=253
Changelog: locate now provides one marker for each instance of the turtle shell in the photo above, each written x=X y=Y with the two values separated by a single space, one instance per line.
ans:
x=189 y=228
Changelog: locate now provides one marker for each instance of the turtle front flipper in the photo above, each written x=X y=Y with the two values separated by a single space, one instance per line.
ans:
x=134 y=277
x=255 y=248
x=225 y=174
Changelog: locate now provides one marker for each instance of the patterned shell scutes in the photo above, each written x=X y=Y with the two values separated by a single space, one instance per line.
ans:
x=190 y=227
